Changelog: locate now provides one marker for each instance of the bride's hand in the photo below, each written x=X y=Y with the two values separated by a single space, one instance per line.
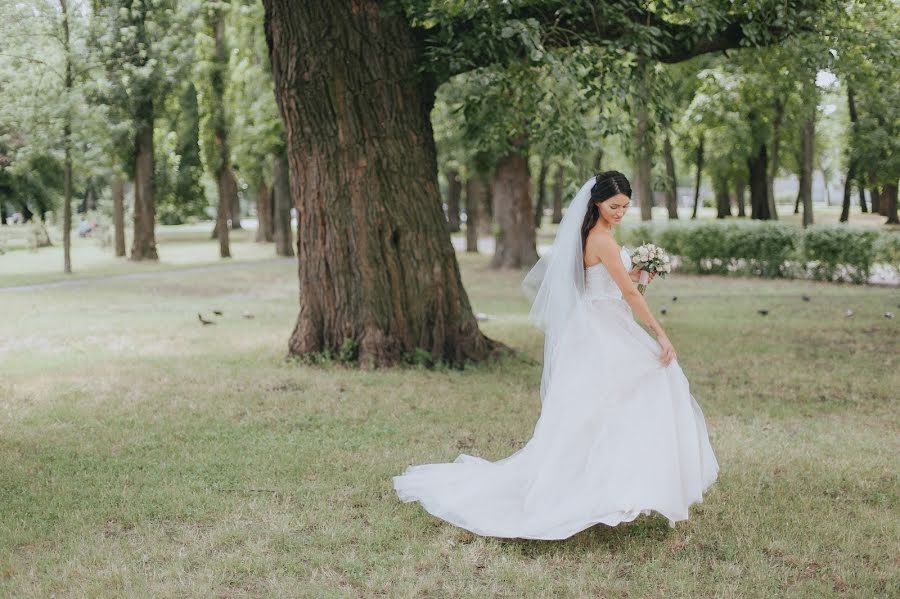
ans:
x=668 y=352
x=635 y=274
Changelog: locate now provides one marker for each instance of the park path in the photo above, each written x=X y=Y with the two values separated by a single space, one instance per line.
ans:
x=141 y=275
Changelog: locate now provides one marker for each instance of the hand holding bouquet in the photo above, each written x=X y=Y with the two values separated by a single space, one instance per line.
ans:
x=650 y=258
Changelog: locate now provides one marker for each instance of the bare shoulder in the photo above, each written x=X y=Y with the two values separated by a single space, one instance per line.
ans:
x=600 y=243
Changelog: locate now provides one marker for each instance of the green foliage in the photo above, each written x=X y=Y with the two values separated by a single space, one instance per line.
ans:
x=887 y=249
x=840 y=252
x=772 y=249
x=348 y=351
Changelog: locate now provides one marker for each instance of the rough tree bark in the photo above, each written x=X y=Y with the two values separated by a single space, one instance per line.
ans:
x=221 y=165
x=227 y=187
x=671 y=180
x=264 y=233
x=875 y=195
x=118 y=199
x=376 y=265
x=699 y=162
x=454 y=191
x=476 y=193
x=514 y=214
x=143 y=244
x=558 y=182
x=759 y=194
x=281 y=207
x=541 y=193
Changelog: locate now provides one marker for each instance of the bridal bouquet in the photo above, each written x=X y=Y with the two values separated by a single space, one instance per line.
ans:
x=650 y=258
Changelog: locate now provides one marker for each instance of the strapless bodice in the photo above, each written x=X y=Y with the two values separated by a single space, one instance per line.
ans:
x=598 y=284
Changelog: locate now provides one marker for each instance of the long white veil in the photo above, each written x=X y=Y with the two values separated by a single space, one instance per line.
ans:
x=556 y=282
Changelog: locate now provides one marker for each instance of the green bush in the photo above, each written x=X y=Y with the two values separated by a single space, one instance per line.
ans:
x=887 y=249
x=839 y=252
x=770 y=248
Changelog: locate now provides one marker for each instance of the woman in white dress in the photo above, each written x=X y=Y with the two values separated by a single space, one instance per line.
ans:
x=619 y=432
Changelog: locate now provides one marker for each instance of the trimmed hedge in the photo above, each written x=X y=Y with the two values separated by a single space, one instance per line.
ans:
x=772 y=249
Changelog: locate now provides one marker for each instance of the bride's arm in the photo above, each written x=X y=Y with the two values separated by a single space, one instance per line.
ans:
x=609 y=253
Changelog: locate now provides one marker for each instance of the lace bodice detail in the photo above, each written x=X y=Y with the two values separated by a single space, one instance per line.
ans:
x=599 y=284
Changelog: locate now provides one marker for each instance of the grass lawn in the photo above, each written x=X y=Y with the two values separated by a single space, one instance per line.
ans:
x=142 y=454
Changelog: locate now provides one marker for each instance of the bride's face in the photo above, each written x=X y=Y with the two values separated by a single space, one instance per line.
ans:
x=613 y=209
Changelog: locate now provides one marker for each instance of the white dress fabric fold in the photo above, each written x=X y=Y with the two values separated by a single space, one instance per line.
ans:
x=619 y=434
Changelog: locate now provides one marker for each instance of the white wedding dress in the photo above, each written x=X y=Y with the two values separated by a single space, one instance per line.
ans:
x=619 y=434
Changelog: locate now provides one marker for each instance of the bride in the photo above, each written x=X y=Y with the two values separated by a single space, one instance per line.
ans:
x=619 y=432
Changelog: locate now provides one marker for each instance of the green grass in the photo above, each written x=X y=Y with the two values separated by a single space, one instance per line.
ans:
x=142 y=454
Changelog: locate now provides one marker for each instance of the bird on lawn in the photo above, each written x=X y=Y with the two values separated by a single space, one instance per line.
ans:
x=763 y=312
x=674 y=298
x=664 y=310
x=888 y=314
x=203 y=320
x=217 y=312
x=848 y=313
x=805 y=297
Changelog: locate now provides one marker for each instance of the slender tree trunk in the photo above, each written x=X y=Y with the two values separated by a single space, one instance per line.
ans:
x=486 y=214
x=739 y=186
x=759 y=195
x=3 y=214
x=862 y=195
x=671 y=180
x=282 y=203
x=476 y=192
x=143 y=244
x=454 y=191
x=723 y=200
x=118 y=199
x=376 y=264
x=774 y=159
x=875 y=195
x=799 y=196
x=699 y=179
x=67 y=144
x=598 y=161
x=644 y=187
x=227 y=187
x=890 y=192
x=558 y=183
x=848 y=185
x=514 y=215
x=234 y=211
x=542 y=193
x=264 y=233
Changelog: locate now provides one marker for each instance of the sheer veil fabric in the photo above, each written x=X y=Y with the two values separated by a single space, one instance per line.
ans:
x=618 y=435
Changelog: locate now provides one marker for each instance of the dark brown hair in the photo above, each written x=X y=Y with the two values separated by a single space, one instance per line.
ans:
x=607 y=184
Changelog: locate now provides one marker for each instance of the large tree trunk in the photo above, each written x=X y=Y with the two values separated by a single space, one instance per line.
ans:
x=739 y=187
x=883 y=201
x=118 y=216
x=234 y=212
x=774 y=163
x=759 y=194
x=558 y=182
x=229 y=205
x=513 y=213
x=376 y=265
x=143 y=244
x=848 y=188
x=699 y=162
x=264 y=233
x=542 y=193
x=476 y=193
x=281 y=207
x=454 y=191
x=671 y=180
x=890 y=193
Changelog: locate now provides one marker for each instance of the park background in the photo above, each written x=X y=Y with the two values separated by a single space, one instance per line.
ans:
x=167 y=429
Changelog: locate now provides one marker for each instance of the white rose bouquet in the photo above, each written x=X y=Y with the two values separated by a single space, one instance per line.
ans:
x=650 y=258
